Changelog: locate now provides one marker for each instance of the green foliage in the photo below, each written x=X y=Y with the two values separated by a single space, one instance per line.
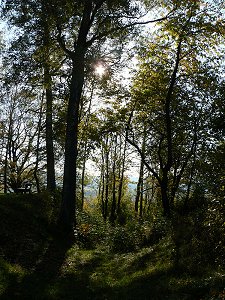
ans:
x=124 y=238
x=117 y=263
x=214 y=226
x=91 y=229
x=198 y=237
x=136 y=234
x=129 y=236
x=179 y=257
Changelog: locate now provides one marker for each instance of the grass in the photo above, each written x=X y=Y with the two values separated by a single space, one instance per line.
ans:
x=35 y=263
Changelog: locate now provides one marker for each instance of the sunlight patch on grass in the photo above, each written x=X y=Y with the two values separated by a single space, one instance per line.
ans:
x=76 y=259
x=103 y=269
x=99 y=274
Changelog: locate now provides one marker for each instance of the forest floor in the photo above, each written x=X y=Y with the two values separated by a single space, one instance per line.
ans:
x=36 y=263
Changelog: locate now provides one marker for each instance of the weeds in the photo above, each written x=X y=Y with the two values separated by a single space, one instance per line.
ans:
x=134 y=261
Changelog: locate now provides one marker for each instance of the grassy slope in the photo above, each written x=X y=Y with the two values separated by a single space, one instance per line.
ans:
x=34 y=264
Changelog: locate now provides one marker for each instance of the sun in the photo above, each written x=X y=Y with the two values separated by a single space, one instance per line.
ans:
x=99 y=70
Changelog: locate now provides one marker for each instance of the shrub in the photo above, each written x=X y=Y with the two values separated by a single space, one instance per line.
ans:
x=91 y=229
x=199 y=237
x=124 y=239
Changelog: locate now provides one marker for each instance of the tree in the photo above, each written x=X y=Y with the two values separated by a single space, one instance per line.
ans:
x=48 y=85
x=97 y=21
x=170 y=93
x=18 y=138
x=34 y=52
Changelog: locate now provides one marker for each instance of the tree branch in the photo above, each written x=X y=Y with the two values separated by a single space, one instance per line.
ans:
x=95 y=10
x=143 y=159
x=118 y=28
x=62 y=43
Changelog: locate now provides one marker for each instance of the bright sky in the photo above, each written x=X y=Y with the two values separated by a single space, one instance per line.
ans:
x=99 y=70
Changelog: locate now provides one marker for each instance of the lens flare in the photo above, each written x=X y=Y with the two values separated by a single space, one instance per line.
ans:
x=99 y=70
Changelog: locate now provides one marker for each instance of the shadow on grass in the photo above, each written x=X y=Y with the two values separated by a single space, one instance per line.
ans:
x=46 y=271
x=91 y=279
x=24 y=229
x=36 y=281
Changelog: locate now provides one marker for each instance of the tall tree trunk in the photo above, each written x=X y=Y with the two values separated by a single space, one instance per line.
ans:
x=141 y=196
x=102 y=188
x=106 y=183
x=5 y=168
x=83 y=176
x=192 y=171
x=51 y=184
x=85 y=155
x=6 y=160
x=139 y=184
x=38 y=146
x=8 y=146
x=67 y=217
x=164 y=194
x=166 y=198
x=120 y=192
x=68 y=207
x=113 y=207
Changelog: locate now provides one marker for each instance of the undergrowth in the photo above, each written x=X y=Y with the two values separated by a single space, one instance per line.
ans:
x=151 y=259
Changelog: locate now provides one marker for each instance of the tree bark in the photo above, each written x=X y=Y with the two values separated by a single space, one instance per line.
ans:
x=46 y=40
x=51 y=184
x=141 y=196
x=113 y=207
x=102 y=187
x=106 y=182
x=38 y=146
x=67 y=213
x=138 y=194
x=8 y=146
x=83 y=175
x=85 y=152
x=164 y=194
x=120 y=192
x=67 y=217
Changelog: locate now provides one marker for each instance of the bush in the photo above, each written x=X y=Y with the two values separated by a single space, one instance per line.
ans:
x=124 y=239
x=199 y=237
x=136 y=234
x=91 y=229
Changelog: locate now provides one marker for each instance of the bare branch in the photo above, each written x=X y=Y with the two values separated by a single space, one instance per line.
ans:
x=62 y=43
x=118 y=28
x=143 y=159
